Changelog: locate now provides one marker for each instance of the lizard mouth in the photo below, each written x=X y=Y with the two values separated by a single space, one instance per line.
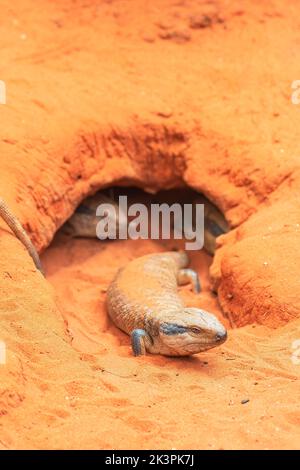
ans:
x=203 y=346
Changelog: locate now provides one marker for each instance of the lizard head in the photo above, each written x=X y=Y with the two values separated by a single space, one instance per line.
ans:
x=195 y=331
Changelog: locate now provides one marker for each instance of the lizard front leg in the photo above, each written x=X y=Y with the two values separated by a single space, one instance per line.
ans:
x=139 y=340
x=185 y=276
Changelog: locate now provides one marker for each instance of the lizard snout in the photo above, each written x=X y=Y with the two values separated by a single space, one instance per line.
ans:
x=221 y=336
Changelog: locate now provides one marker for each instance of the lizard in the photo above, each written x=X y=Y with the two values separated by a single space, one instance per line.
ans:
x=20 y=232
x=143 y=301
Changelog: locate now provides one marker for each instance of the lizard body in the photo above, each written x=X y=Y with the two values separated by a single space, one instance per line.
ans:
x=144 y=303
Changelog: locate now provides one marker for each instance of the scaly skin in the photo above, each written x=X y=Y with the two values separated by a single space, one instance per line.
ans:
x=144 y=303
x=20 y=233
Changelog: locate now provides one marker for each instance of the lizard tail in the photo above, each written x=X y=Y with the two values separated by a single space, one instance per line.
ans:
x=20 y=233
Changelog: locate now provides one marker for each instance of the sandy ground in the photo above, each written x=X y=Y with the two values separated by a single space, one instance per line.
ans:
x=155 y=95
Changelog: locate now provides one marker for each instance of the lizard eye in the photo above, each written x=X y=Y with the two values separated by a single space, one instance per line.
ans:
x=195 y=330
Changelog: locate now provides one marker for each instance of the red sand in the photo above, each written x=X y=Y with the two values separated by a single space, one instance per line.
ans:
x=141 y=94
